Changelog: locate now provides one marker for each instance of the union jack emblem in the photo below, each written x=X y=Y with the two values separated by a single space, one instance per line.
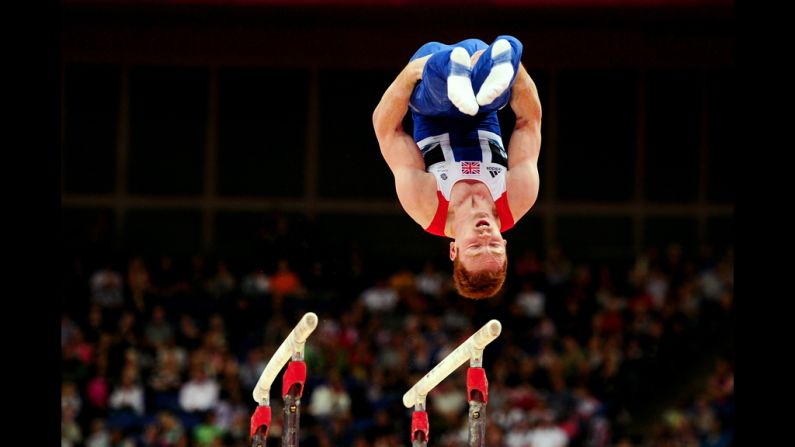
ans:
x=470 y=167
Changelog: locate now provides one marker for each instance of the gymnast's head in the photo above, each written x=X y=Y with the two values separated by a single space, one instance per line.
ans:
x=478 y=254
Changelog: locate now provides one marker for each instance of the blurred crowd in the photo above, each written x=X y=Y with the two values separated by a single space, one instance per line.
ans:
x=705 y=419
x=165 y=351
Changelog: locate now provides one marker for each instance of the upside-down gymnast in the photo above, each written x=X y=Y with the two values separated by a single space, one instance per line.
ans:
x=455 y=177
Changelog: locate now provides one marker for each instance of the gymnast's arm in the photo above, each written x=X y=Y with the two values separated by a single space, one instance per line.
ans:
x=397 y=147
x=416 y=189
x=524 y=146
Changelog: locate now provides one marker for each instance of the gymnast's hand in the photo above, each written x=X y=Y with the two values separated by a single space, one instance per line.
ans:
x=416 y=67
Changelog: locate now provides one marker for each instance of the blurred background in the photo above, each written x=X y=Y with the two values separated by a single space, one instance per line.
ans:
x=220 y=177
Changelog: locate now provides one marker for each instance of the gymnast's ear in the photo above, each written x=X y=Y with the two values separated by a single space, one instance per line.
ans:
x=453 y=251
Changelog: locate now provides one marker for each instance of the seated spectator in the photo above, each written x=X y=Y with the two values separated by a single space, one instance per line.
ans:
x=200 y=393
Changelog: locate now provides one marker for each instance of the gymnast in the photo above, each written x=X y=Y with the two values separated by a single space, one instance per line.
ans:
x=455 y=177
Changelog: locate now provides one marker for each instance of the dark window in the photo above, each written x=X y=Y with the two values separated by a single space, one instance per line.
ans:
x=596 y=238
x=673 y=122
x=350 y=160
x=168 y=119
x=384 y=237
x=723 y=132
x=91 y=110
x=661 y=232
x=262 y=132
x=720 y=231
x=528 y=233
x=158 y=232
x=597 y=119
x=87 y=231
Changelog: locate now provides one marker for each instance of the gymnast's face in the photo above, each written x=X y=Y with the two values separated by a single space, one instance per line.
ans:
x=479 y=244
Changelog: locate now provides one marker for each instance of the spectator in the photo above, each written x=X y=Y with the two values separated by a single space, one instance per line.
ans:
x=129 y=395
x=200 y=393
x=106 y=288
x=379 y=298
x=139 y=282
x=285 y=281
x=158 y=330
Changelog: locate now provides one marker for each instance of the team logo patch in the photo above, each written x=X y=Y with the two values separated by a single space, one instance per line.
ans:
x=443 y=176
x=470 y=167
x=494 y=171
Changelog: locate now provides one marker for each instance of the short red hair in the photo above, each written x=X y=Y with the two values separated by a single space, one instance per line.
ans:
x=477 y=285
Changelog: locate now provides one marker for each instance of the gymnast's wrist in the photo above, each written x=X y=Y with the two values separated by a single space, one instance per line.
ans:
x=417 y=67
